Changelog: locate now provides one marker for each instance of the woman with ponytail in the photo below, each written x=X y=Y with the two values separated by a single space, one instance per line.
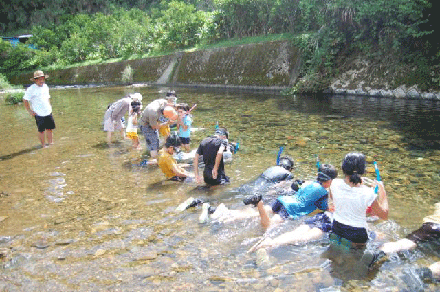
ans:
x=351 y=198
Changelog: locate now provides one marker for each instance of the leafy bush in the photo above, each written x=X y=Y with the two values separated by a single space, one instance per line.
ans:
x=14 y=97
x=16 y=59
x=4 y=83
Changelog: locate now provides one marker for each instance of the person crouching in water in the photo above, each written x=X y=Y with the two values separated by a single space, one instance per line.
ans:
x=168 y=164
x=212 y=149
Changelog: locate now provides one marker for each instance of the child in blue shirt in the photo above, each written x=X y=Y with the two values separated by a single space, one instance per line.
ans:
x=184 y=125
x=309 y=198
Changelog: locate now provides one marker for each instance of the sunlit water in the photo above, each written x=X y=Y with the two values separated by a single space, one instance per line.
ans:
x=82 y=216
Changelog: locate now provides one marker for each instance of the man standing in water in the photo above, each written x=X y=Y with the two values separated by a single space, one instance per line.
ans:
x=37 y=103
x=150 y=124
x=212 y=149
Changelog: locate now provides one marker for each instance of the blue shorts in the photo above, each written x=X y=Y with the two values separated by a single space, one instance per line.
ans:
x=151 y=137
x=321 y=221
x=45 y=123
x=278 y=208
x=185 y=140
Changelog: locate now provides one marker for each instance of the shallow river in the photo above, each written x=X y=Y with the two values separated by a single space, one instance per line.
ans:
x=82 y=216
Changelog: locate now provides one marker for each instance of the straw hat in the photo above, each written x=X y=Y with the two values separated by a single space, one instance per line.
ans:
x=38 y=74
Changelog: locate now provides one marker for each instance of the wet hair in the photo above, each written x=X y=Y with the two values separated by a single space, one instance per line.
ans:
x=354 y=165
x=287 y=162
x=222 y=132
x=173 y=141
x=326 y=172
x=183 y=106
x=136 y=106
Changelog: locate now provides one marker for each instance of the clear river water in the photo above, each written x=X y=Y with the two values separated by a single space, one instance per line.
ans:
x=83 y=216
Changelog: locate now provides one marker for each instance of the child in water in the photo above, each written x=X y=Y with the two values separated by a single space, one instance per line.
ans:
x=184 y=125
x=131 y=130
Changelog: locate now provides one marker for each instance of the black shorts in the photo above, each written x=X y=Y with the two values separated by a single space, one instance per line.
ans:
x=185 y=140
x=353 y=234
x=429 y=231
x=178 y=178
x=45 y=123
x=220 y=180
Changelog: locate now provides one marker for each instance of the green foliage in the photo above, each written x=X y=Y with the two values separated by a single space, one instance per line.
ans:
x=4 y=83
x=14 y=97
x=179 y=25
x=81 y=31
x=15 y=59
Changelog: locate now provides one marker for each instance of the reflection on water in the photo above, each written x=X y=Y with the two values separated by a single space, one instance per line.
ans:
x=84 y=216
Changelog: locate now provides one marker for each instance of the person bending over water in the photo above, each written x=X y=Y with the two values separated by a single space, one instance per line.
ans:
x=116 y=111
x=167 y=163
x=212 y=149
x=150 y=124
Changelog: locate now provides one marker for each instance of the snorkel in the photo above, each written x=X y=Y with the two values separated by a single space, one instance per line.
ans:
x=279 y=154
x=318 y=164
x=376 y=189
x=376 y=169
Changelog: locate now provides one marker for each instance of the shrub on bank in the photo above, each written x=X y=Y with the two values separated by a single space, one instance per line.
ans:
x=14 y=97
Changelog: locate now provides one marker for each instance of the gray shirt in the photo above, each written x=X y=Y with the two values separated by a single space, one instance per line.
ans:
x=119 y=108
x=152 y=112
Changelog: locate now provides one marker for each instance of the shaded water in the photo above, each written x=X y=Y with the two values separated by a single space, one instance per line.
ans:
x=82 y=216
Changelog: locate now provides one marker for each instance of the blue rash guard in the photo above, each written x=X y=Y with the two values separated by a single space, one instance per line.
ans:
x=310 y=196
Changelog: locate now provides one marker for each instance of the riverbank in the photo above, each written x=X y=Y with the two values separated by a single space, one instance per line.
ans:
x=262 y=66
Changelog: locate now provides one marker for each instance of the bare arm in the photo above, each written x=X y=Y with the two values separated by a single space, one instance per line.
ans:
x=178 y=171
x=380 y=205
x=218 y=158
x=28 y=107
x=196 y=167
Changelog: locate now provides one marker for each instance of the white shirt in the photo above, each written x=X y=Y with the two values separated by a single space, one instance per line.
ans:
x=351 y=203
x=38 y=97
x=130 y=126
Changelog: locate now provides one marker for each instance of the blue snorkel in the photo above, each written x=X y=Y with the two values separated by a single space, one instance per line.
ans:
x=237 y=147
x=279 y=154
x=318 y=164
x=376 y=189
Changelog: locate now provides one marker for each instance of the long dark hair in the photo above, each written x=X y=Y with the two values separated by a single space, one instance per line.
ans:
x=353 y=165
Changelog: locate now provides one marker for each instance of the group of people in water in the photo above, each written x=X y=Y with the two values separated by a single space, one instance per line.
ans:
x=337 y=206
x=156 y=120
